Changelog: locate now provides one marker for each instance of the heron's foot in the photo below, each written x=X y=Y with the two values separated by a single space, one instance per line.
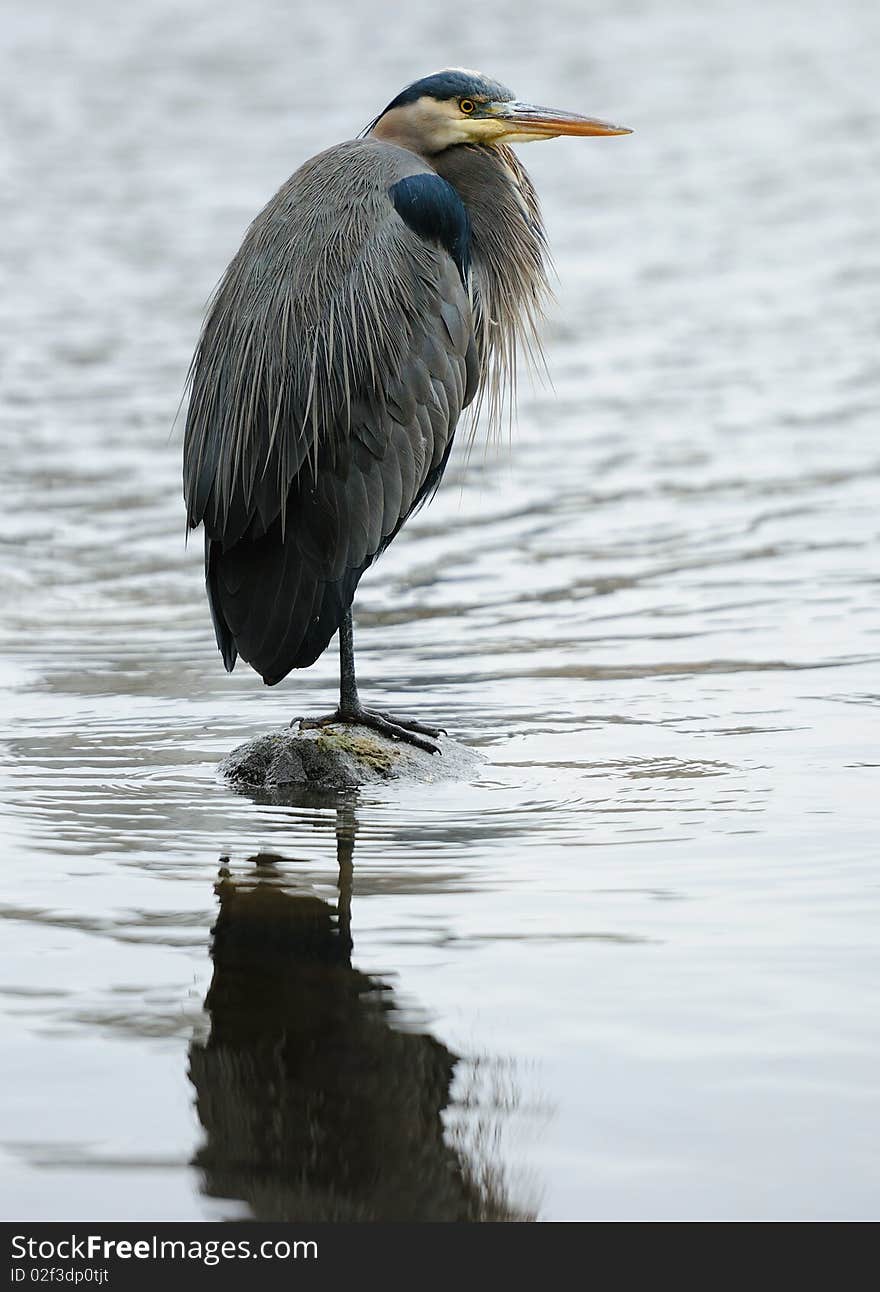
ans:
x=406 y=730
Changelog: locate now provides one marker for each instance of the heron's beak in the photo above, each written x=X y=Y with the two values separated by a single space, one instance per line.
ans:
x=524 y=121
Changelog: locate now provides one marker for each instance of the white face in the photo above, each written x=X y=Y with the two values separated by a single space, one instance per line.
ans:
x=430 y=125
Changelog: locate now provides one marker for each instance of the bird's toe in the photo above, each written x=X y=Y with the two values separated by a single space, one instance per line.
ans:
x=409 y=724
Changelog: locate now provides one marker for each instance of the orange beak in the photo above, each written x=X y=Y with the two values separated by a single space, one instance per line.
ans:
x=529 y=122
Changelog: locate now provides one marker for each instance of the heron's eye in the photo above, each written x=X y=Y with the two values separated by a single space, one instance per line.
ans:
x=467 y=106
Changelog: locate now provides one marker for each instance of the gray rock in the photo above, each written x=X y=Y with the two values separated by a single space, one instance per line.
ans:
x=341 y=757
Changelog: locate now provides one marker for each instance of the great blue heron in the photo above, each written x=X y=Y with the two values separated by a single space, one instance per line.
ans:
x=386 y=286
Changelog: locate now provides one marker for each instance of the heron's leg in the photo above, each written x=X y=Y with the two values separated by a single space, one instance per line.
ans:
x=352 y=711
x=349 y=700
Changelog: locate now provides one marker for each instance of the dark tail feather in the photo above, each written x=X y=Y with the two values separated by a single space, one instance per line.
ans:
x=332 y=600
x=270 y=605
x=222 y=631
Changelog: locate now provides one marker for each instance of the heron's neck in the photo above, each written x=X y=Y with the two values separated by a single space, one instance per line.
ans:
x=508 y=254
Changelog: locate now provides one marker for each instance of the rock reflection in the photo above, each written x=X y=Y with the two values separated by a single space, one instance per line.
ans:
x=314 y=1105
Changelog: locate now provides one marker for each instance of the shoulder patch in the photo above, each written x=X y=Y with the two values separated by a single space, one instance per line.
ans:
x=433 y=209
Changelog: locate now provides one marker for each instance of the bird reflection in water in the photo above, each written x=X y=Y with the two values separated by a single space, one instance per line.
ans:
x=314 y=1105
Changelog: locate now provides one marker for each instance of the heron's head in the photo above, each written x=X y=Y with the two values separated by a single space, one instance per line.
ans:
x=462 y=107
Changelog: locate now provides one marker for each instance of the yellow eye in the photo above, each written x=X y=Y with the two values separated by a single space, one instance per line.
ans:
x=466 y=105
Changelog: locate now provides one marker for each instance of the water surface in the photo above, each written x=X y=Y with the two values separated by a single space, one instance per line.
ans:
x=630 y=971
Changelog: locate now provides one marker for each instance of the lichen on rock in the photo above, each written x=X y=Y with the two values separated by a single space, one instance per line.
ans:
x=365 y=747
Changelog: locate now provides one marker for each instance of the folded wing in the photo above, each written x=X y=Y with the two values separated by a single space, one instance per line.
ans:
x=335 y=361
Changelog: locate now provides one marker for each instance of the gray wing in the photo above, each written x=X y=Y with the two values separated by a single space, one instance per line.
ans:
x=333 y=367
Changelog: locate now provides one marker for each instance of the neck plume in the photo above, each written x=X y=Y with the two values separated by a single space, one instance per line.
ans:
x=509 y=258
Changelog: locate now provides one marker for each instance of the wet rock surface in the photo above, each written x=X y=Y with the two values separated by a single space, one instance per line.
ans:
x=341 y=757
